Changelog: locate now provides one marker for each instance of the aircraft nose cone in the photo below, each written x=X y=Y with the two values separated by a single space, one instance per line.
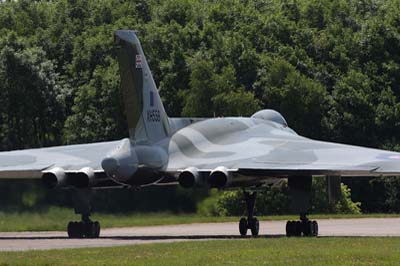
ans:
x=110 y=165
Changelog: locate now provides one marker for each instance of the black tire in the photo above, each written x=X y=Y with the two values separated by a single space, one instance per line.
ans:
x=289 y=228
x=85 y=229
x=243 y=226
x=254 y=225
x=307 y=228
x=315 y=228
x=292 y=228
x=298 y=228
x=75 y=230
x=97 y=229
x=80 y=229
x=70 y=230
x=89 y=229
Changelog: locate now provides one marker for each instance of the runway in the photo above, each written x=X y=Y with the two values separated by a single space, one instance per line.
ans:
x=18 y=241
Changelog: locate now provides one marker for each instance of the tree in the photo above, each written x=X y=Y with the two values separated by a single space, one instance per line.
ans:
x=300 y=99
x=198 y=100
x=98 y=114
x=32 y=95
x=353 y=113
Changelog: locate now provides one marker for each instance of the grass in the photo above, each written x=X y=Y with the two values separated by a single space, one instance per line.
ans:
x=57 y=218
x=262 y=251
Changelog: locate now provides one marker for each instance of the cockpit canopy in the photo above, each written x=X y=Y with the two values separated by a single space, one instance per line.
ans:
x=270 y=115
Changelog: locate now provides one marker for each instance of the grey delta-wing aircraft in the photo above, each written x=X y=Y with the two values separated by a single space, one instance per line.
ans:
x=246 y=153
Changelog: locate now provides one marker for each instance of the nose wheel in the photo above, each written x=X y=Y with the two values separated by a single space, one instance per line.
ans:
x=253 y=224
x=250 y=222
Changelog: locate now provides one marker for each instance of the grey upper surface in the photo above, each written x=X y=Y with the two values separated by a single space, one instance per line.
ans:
x=29 y=163
x=248 y=143
x=236 y=143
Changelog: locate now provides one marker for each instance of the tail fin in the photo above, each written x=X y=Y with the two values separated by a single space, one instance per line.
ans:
x=147 y=120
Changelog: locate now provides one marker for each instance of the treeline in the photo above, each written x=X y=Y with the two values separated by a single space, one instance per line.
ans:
x=332 y=68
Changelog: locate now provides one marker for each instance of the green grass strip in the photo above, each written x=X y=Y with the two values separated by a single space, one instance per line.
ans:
x=273 y=251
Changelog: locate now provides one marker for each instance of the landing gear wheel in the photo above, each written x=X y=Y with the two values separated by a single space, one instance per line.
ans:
x=254 y=226
x=250 y=222
x=243 y=226
x=314 y=226
x=92 y=229
x=290 y=228
x=298 y=228
x=304 y=227
x=89 y=230
x=75 y=230
x=83 y=229
x=97 y=229
x=307 y=228
x=70 y=230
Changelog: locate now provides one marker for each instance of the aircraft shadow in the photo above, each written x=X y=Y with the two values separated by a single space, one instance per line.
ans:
x=189 y=237
x=222 y=237
x=160 y=237
x=169 y=237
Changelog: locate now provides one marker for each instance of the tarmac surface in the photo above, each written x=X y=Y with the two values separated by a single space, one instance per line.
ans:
x=363 y=227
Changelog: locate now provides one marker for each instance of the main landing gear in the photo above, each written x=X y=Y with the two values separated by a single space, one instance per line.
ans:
x=84 y=228
x=303 y=227
x=250 y=222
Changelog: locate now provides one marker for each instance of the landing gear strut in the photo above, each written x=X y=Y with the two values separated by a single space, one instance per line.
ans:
x=303 y=227
x=250 y=222
x=84 y=228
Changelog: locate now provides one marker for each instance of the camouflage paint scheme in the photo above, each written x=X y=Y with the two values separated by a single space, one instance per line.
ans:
x=253 y=151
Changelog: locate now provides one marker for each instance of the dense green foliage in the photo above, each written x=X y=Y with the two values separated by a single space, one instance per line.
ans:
x=275 y=200
x=332 y=68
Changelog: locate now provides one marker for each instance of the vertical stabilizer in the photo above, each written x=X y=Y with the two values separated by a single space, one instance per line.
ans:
x=147 y=120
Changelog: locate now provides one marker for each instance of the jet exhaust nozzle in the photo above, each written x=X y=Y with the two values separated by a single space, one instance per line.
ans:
x=83 y=178
x=189 y=177
x=219 y=177
x=58 y=177
x=54 y=177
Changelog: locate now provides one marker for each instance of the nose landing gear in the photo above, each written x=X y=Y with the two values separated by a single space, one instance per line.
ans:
x=250 y=222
